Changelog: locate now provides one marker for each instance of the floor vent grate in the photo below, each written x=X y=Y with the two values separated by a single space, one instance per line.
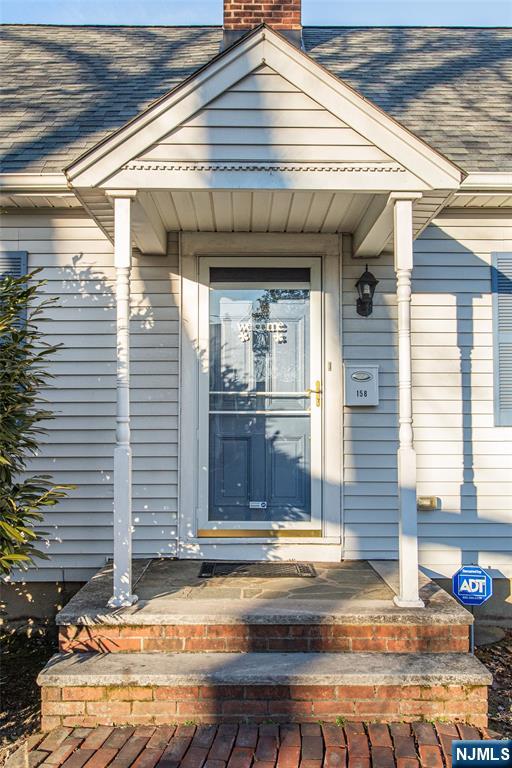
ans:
x=257 y=570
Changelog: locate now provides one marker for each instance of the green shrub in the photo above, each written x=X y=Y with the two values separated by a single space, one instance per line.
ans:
x=23 y=358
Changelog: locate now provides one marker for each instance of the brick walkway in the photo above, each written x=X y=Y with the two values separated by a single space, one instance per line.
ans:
x=355 y=745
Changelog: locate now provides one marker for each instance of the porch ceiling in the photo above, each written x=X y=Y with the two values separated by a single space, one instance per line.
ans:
x=260 y=210
x=256 y=210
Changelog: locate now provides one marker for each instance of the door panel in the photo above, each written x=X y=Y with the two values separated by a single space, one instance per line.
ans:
x=288 y=469
x=258 y=459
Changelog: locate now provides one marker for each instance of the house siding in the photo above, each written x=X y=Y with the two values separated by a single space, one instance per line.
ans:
x=77 y=261
x=463 y=458
x=371 y=434
x=264 y=118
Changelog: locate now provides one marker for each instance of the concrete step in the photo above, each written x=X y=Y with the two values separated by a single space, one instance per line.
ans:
x=140 y=688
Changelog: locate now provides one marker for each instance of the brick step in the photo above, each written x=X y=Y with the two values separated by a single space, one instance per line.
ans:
x=264 y=637
x=145 y=689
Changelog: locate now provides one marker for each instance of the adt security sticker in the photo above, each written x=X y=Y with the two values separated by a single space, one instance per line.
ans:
x=482 y=754
x=472 y=585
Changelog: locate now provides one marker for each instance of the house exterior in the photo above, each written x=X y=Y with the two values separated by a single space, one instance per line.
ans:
x=203 y=201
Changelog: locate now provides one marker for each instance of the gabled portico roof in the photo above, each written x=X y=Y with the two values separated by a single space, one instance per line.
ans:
x=263 y=117
x=403 y=161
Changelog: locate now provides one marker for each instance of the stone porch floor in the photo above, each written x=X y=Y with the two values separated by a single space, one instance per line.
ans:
x=311 y=745
x=171 y=591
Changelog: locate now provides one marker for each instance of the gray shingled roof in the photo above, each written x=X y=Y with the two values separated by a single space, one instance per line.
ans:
x=65 y=88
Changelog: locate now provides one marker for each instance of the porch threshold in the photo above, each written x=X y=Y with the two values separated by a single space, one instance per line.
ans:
x=170 y=593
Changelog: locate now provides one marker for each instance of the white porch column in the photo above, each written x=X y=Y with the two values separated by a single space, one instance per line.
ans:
x=408 y=596
x=122 y=594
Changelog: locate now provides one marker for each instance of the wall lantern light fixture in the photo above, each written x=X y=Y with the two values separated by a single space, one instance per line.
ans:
x=366 y=288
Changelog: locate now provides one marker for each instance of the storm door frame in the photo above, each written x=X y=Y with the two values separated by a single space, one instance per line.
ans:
x=233 y=529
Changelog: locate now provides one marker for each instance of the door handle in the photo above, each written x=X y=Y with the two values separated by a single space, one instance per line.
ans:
x=317 y=391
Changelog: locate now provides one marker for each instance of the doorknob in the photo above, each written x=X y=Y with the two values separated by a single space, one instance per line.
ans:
x=317 y=391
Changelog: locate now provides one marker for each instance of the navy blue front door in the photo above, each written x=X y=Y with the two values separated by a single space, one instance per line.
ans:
x=259 y=407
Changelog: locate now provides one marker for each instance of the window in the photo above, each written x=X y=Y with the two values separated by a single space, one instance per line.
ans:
x=502 y=334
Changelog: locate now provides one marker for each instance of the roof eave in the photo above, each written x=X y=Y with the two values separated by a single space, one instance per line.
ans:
x=31 y=183
x=487 y=182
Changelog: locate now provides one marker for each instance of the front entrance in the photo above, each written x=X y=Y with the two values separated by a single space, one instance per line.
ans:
x=260 y=472
x=260 y=398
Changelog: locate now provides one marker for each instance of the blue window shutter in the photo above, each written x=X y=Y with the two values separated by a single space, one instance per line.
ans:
x=13 y=263
x=502 y=333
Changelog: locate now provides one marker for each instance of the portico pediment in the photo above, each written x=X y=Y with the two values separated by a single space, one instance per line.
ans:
x=264 y=115
x=264 y=123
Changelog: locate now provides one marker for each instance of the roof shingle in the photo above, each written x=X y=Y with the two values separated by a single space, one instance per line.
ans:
x=65 y=88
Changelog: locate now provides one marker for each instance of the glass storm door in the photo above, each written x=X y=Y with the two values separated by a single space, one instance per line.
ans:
x=261 y=398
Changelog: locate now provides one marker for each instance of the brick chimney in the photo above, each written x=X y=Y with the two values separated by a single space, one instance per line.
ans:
x=282 y=15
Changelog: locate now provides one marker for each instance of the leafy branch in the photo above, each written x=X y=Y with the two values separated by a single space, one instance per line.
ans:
x=23 y=373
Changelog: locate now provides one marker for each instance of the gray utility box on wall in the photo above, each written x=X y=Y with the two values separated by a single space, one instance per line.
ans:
x=361 y=384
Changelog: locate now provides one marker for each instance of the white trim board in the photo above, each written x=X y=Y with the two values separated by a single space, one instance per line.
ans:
x=29 y=183
x=485 y=182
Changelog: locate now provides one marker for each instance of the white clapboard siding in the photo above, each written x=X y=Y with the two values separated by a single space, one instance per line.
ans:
x=370 y=435
x=463 y=458
x=77 y=261
x=264 y=118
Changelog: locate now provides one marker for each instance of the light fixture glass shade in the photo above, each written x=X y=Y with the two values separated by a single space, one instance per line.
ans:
x=366 y=288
